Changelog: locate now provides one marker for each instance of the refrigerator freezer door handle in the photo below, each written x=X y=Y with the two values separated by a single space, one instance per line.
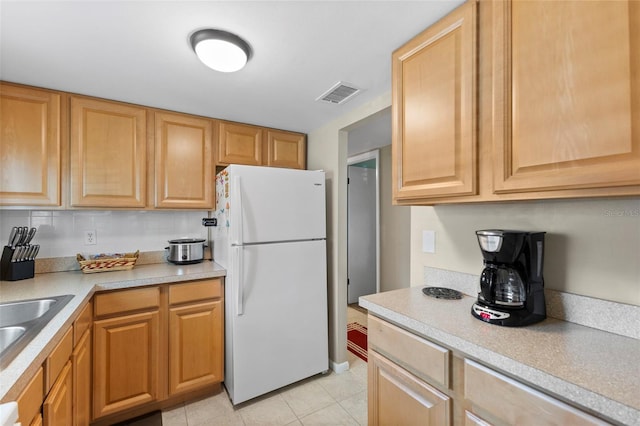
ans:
x=239 y=279
x=236 y=213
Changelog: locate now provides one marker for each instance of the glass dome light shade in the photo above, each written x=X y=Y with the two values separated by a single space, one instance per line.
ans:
x=220 y=50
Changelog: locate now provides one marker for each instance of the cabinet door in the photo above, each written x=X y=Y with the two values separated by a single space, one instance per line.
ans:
x=184 y=161
x=286 y=149
x=125 y=370
x=470 y=419
x=397 y=397
x=239 y=144
x=108 y=154
x=566 y=95
x=195 y=346
x=57 y=409
x=81 y=361
x=30 y=147
x=30 y=400
x=433 y=110
x=503 y=400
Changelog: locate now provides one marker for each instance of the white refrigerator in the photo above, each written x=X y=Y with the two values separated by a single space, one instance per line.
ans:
x=271 y=239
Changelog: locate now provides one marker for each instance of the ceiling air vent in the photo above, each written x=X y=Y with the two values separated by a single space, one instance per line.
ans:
x=340 y=93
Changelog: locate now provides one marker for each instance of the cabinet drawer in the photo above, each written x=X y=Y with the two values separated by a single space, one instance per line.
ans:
x=82 y=323
x=421 y=357
x=509 y=401
x=58 y=358
x=30 y=399
x=127 y=300
x=194 y=291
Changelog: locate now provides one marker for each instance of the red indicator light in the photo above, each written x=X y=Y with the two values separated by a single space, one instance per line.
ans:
x=485 y=315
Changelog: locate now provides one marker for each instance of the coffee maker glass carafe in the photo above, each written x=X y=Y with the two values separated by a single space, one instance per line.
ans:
x=502 y=285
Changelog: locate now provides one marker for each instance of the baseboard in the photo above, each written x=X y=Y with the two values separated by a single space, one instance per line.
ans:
x=339 y=368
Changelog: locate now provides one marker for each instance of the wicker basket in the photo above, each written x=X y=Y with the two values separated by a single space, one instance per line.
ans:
x=122 y=263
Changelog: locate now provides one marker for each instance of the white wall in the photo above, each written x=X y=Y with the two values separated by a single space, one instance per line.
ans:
x=327 y=150
x=395 y=232
x=592 y=245
x=61 y=233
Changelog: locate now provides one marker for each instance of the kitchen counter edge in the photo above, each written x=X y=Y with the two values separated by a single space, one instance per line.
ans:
x=82 y=287
x=405 y=309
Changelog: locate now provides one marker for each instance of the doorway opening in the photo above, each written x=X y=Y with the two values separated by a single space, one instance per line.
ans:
x=363 y=224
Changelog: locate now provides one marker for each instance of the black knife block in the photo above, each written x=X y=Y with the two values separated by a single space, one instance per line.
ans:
x=14 y=271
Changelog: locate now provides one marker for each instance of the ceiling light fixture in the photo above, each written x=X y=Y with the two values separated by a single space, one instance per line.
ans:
x=220 y=50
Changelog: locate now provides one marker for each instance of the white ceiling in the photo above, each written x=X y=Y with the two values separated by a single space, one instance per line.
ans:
x=138 y=52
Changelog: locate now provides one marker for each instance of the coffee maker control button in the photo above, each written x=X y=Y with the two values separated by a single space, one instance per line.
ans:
x=490 y=314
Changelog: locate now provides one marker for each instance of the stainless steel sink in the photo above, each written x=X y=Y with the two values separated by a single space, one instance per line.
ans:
x=8 y=335
x=23 y=311
x=21 y=321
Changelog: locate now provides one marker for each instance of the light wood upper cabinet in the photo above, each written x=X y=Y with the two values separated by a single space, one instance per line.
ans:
x=567 y=95
x=108 y=154
x=239 y=144
x=183 y=161
x=30 y=146
x=433 y=92
x=286 y=149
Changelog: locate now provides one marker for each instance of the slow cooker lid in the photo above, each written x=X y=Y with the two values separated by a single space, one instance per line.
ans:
x=187 y=241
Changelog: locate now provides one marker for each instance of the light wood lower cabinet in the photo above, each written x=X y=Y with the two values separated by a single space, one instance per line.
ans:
x=406 y=387
x=81 y=362
x=156 y=345
x=499 y=399
x=149 y=347
x=125 y=370
x=57 y=409
x=398 y=397
x=59 y=393
x=195 y=337
x=30 y=400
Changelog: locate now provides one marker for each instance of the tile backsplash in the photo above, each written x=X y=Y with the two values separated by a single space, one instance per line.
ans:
x=61 y=233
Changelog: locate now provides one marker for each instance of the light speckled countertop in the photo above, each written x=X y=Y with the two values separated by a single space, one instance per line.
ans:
x=82 y=286
x=593 y=369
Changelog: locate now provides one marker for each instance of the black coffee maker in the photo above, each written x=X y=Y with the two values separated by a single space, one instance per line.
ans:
x=511 y=284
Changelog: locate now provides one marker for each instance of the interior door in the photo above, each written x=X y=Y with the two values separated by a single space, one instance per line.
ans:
x=361 y=235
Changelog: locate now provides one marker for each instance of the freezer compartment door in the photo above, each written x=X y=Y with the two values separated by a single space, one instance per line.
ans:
x=274 y=204
x=277 y=330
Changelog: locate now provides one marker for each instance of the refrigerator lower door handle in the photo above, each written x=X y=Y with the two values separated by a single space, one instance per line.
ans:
x=239 y=255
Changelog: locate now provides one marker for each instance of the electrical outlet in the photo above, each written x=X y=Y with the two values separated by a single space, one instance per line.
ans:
x=90 y=238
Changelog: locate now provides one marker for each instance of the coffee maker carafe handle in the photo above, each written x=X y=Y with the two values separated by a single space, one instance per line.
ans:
x=488 y=280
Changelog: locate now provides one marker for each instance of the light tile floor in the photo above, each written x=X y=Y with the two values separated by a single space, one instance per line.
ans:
x=329 y=399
